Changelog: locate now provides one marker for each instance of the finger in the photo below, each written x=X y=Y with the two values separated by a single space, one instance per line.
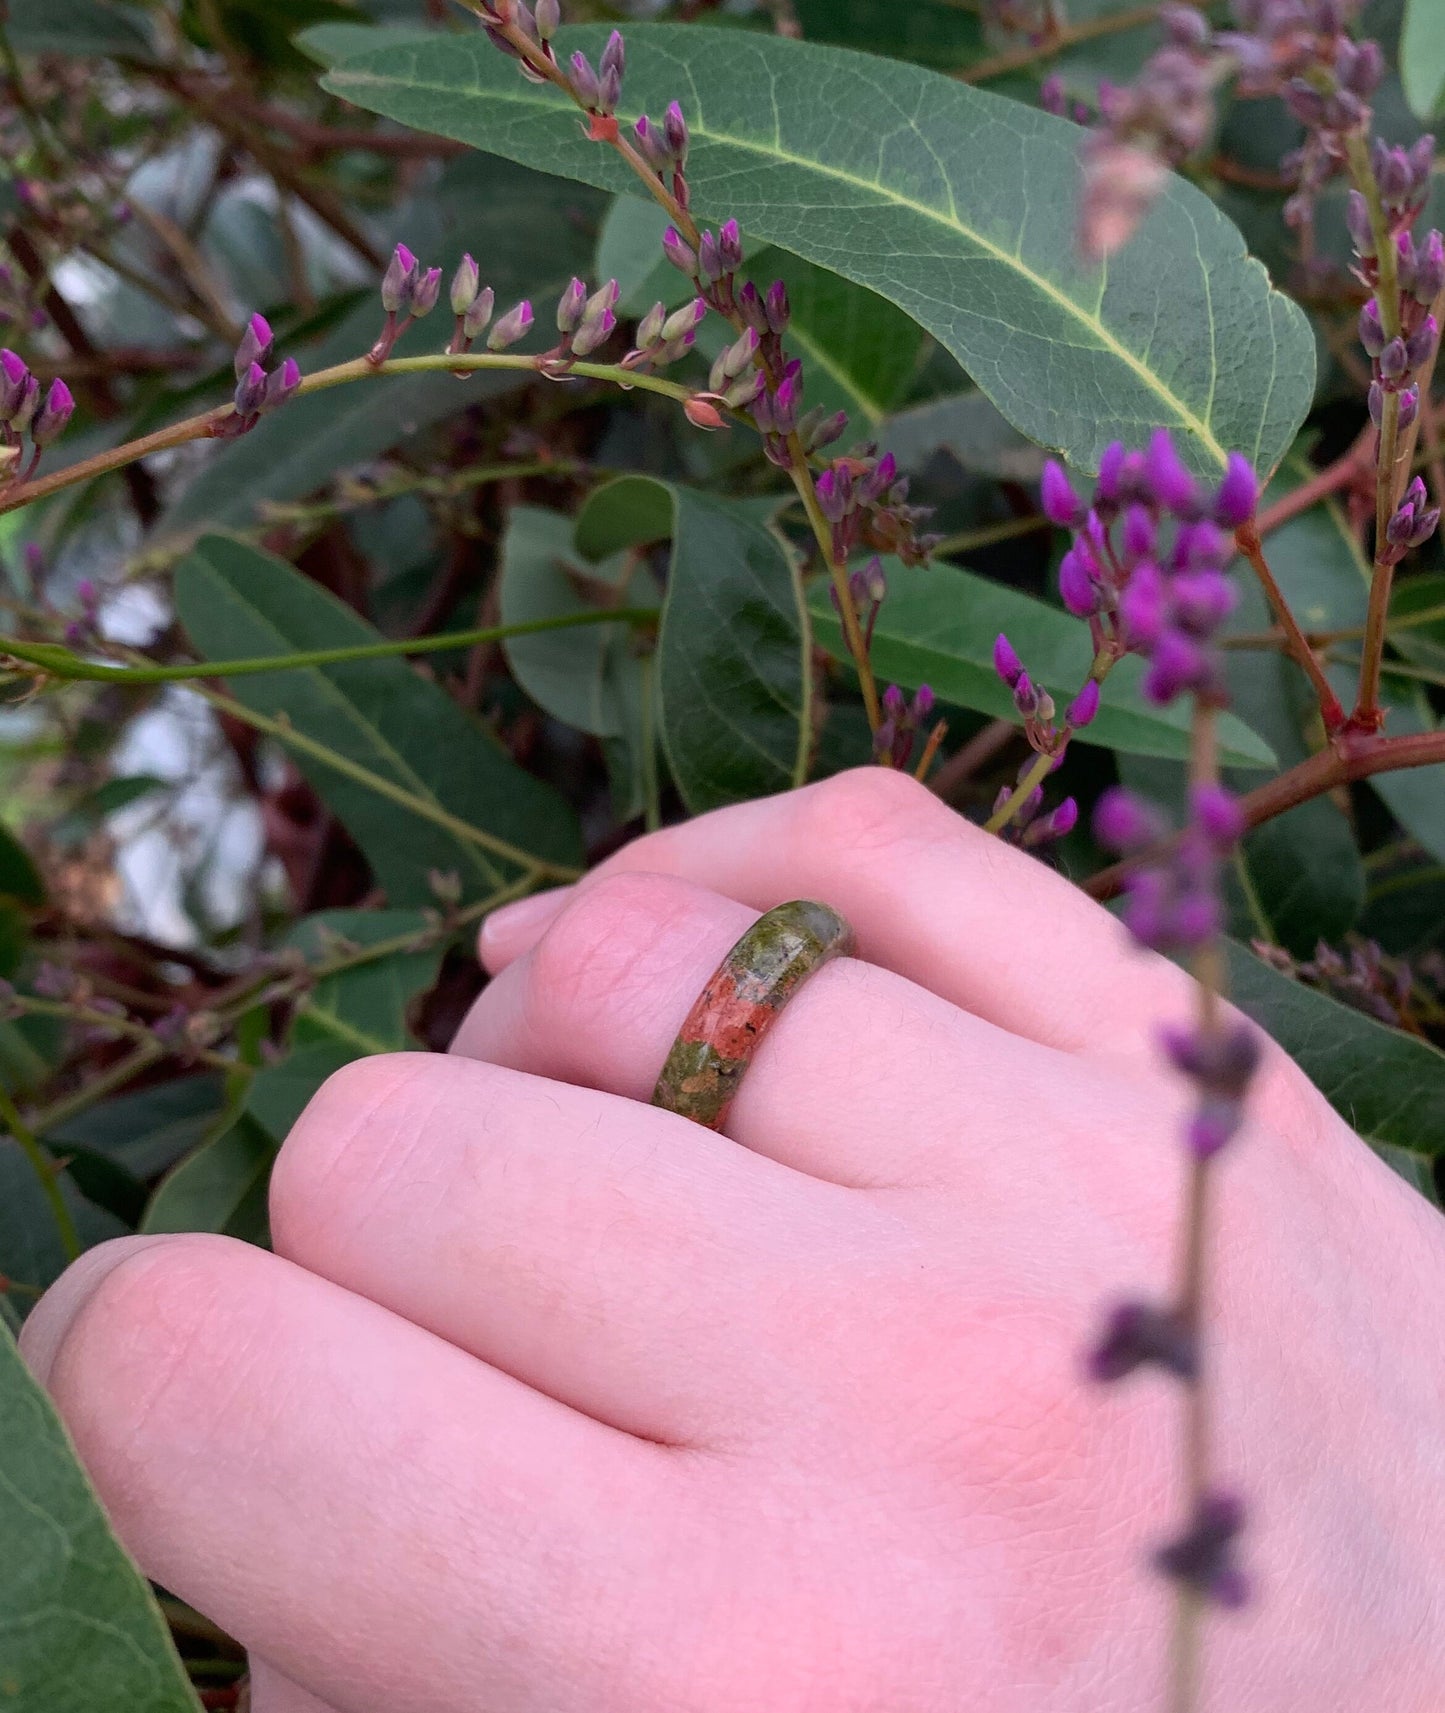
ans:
x=375 y=1513
x=273 y=1693
x=864 y=1078
x=929 y=896
x=611 y=1255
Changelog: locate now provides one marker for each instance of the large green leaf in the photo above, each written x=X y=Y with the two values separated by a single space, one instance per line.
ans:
x=1422 y=57
x=380 y=714
x=30 y=1246
x=733 y=673
x=211 y=1186
x=149 y=1129
x=80 y=29
x=364 y=1007
x=954 y=204
x=937 y=627
x=1389 y=1086
x=79 y=1628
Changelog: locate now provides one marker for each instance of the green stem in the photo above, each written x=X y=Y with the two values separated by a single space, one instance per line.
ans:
x=206 y=425
x=286 y=733
x=61 y=662
x=45 y=1170
x=987 y=534
x=1043 y=765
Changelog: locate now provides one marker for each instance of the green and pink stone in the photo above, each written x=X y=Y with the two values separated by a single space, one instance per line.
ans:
x=739 y=1004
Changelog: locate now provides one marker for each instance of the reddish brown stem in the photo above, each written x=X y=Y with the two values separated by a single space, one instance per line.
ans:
x=1346 y=470
x=1351 y=757
x=1331 y=711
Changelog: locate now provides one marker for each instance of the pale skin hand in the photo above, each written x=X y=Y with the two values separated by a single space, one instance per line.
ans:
x=550 y=1402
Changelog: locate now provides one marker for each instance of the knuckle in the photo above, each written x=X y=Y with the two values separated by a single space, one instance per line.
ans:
x=333 y=1150
x=593 y=951
x=866 y=810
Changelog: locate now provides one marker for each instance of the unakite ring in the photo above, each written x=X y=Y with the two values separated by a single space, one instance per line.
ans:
x=738 y=1006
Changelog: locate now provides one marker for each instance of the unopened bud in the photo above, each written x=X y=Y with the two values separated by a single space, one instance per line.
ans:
x=51 y=418
x=1357 y=219
x=480 y=313
x=596 y=328
x=548 y=17
x=649 y=329
x=250 y=390
x=512 y=327
x=396 y=282
x=570 y=306
x=14 y=373
x=421 y=299
x=584 y=82
x=680 y=253
x=281 y=385
x=701 y=414
x=1081 y=711
x=255 y=346
x=674 y=130
x=1430 y=270
x=466 y=283
x=776 y=305
x=730 y=246
x=684 y=320
x=1371 y=329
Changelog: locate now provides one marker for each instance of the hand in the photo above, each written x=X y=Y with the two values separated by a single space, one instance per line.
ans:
x=551 y=1401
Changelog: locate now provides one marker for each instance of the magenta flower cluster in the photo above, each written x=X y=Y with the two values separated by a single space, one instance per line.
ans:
x=257 y=390
x=23 y=410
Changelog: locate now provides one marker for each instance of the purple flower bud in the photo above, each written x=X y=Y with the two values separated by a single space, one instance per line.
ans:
x=730 y=246
x=674 y=129
x=710 y=267
x=281 y=385
x=1125 y=823
x=787 y=398
x=828 y=430
x=1061 y=823
x=1202 y=600
x=1061 y=505
x=1026 y=698
x=1140 y=533
x=29 y=403
x=1367 y=70
x=609 y=90
x=834 y=489
x=1081 y=711
x=1052 y=97
x=894 y=705
x=1217 y=814
x=680 y=254
x=466 y=283
x=877 y=481
x=738 y=356
x=396 y=282
x=614 y=55
x=250 y=390
x=1420 y=345
x=1196 y=919
x=480 y=313
x=751 y=307
x=923 y=700
x=596 y=328
x=14 y=373
x=570 y=306
x=584 y=82
x=1005 y=662
x=1375 y=399
x=1357 y=219
x=1305 y=102
x=512 y=327
x=1108 y=489
x=1430 y=269
x=1395 y=177
x=1202 y=1557
x=649 y=329
x=1393 y=361
x=742 y=392
x=1168 y=476
x=684 y=320
x=1409 y=406
x=425 y=290
x=777 y=308
x=1371 y=328
x=548 y=16
x=1222 y=1062
x=885 y=740
x=1186 y=27
x=1238 y=492
x=1143 y=606
x=650 y=144
x=1211 y=1126
x=1081 y=594
x=51 y=418
x=1427 y=520
x=1405 y=261
x=255 y=346
x=1137 y=1334
x=1176 y=664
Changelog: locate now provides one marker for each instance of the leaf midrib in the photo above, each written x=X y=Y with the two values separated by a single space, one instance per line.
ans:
x=700 y=130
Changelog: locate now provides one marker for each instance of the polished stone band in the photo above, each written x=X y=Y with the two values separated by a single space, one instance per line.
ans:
x=737 y=1007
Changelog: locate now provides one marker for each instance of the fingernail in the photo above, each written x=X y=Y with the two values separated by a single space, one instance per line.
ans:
x=50 y=1321
x=508 y=931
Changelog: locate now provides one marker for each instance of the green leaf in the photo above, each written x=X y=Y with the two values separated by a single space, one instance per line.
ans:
x=80 y=29
x=954 y=204
x=733 y=671
x=629 y=250
x=938 y=625
x=1388 y=1086
x=364 y=1008
x=19 y=877
x=30 y=1246
x=148 y=1130
x=1422 y=57
x=929 y=32
x=380 y=714
x=210 y=1187
x=278 y=1095
x=1302 y=878
x=968 y=426
x=81 y=1627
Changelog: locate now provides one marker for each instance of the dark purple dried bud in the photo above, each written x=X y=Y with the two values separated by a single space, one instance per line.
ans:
x=1372 y=329
x=775 y=304
x=1430 y=269
x=1061 y=505
x=819 y=429
x=1202 y=1558
x=396 y=282
x=1081 y=711
x=584 y=81
x=1305 y=102
x=878 y=480
x=512 y=327
x=1343 y=110
x=250 y=390
x=1357 y=218
x=1006 y=662
x=834 y=489
x=255 y=346
x=1026 y=698
x=674 y=129
x=1405 y=261
x=51 y=418
x=281 y=385
x=1395 y=178
x=710 y=267
x=1137 y=1335
x=1222 y=1062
